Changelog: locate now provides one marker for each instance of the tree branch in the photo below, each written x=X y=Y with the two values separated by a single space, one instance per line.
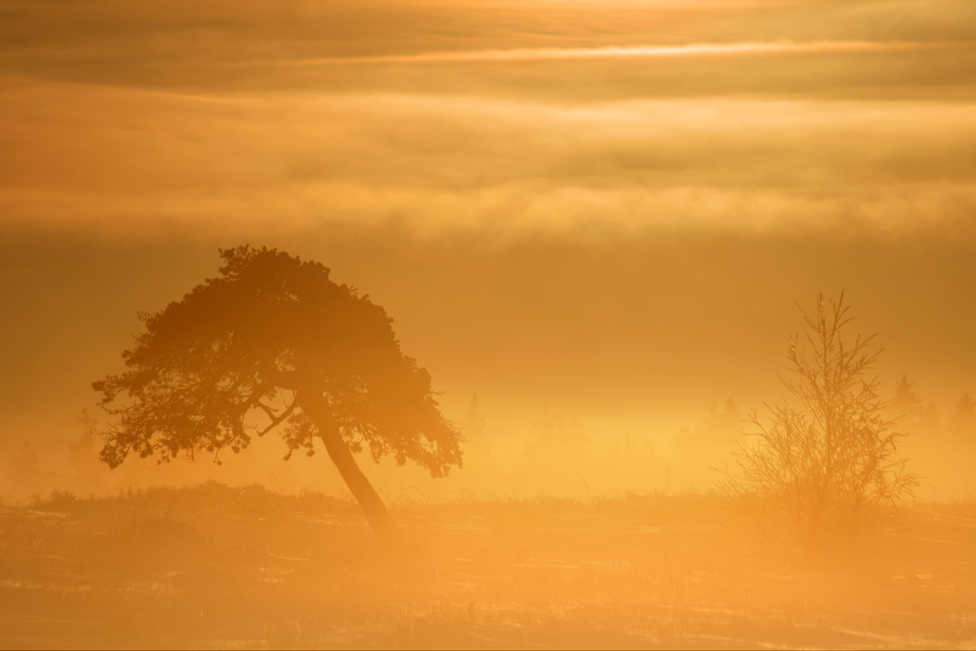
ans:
x=275 y=421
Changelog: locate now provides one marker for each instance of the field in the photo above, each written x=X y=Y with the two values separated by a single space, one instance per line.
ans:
x=220 y=567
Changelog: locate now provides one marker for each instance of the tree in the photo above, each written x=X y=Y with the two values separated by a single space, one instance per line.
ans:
x=476 y=427
x=559 y=452
x=273 y=344
x=963 y=424
x=557 y=437
x=84 y=454
x=919 y=417
x=26 y=475
x=829 y=458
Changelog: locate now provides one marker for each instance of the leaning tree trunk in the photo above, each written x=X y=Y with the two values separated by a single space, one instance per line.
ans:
x=369 y=500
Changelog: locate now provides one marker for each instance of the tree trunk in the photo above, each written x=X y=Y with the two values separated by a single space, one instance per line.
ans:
x=369 y=501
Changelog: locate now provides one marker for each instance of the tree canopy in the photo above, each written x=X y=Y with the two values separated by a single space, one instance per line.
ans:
x=273 y=343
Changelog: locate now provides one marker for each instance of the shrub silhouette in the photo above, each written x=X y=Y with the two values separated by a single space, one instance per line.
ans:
x=274 y=338
x=827 y=461
x=26 y=475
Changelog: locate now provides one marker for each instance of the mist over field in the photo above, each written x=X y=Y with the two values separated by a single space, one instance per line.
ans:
x=635 y=339
x=597 y=226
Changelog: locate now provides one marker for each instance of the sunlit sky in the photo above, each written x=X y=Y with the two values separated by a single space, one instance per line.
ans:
x=607 y=206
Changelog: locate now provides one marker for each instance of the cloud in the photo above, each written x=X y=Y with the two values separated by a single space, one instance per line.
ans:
x=633 y=51
x=522 y=118
x=229 y=46
x=131 y=159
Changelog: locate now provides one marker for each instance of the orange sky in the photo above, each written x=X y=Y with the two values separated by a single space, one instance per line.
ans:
x=610 y=206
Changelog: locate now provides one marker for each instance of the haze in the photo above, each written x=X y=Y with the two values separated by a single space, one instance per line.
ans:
x=596 y=217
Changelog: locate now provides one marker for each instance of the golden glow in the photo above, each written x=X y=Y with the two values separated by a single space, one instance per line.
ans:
x=590 y=222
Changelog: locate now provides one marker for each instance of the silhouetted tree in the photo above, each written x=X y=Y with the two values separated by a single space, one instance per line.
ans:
x=558 y=454
x=829 y=455
x=476 y=427
x=905 y=401
x=84 y=454
x=914 y=415
x=963 y=423
x=557 y=436
x=273 y=339
x=25 y=475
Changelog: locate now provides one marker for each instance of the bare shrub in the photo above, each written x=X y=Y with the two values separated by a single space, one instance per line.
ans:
x=827 y=461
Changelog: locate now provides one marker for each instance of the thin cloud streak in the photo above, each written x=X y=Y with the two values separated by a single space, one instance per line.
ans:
x=27 y=82
x=640 y=51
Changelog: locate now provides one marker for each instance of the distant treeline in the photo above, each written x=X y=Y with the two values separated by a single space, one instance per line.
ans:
x=559 y=457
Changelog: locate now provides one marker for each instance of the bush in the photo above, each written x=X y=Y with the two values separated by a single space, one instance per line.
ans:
x=827 y=462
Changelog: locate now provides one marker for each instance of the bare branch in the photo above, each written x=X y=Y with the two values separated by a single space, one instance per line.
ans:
x=275 y=421
x=828 y=457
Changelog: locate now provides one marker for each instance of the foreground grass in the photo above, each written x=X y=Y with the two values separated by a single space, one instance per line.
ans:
x=214 y=566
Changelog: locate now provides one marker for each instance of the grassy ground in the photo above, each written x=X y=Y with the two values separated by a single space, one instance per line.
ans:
x=213 y=566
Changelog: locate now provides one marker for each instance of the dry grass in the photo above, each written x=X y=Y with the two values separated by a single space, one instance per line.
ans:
x=213 y=566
